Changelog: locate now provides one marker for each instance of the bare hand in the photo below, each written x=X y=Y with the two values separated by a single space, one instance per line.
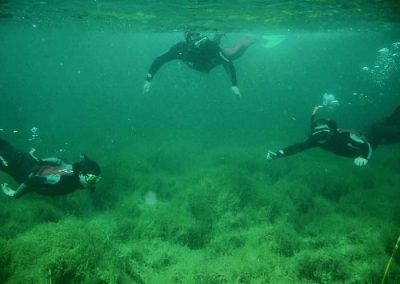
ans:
x=316 y=108
x=7 y=190
x=271 y=155
x=146 y=87
x=360 y=162
x=236 y=91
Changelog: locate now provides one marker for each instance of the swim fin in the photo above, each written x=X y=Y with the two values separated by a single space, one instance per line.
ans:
x=269 y=41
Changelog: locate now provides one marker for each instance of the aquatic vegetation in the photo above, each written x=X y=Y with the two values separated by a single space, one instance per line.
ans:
x=217 y=221
x=222 y=218
x=68 y=251
x=390 y=261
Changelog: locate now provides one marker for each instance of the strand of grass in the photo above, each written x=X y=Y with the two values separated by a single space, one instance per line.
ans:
x=389 y=264
x=50 y=279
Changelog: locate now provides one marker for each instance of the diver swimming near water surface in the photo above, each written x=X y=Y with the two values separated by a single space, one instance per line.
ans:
x=347 y=143
x=202 y=54
x=49 y=176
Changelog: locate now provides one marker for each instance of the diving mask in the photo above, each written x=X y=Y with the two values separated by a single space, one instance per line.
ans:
x=91 y=179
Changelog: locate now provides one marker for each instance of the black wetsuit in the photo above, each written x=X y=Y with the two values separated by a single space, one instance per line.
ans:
x=385 y=131
x=17 y=164
x=50 y=176
x=345 y=143
x=202 y=58
x=342 y=143
x=353 y=144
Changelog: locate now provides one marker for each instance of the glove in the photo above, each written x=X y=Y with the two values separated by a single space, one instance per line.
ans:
x=7 y=190
x=146 y=87
x=236 y=91
x=360 y=161
x=271 y=155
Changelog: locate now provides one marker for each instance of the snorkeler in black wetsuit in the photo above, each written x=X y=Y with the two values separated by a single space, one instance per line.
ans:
x=347 y=143
x=50 y=176
x=202 y=54
x=326 y=135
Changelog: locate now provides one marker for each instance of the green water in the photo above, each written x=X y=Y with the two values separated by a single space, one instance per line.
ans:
x=187 y=195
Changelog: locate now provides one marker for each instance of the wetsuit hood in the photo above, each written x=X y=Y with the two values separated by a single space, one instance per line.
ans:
x=191 y=36
x=194 y=39
x=86 y=166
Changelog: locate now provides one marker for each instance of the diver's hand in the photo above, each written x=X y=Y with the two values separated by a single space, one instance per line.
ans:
x=146 y=87
x=32 y=153
x=236 y=91
x=316 y=108
x=360 y=162
x=271 y=155
x=7 y=190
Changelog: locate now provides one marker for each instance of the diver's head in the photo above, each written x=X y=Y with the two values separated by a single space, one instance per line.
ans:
x=323 y=129
x=88 y=171
x=191 y=36
x=194 y=39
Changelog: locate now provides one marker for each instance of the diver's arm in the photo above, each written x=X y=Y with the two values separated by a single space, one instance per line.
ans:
x=21 y=190
x=291 y=150
x=363 y=159
x=7 y=190
x=298 y=147
x=313 y=116
x=26 y=186
x=230 y=69
x=365 y=149
x=32 y=182
x=53 y=161
x=169 y=55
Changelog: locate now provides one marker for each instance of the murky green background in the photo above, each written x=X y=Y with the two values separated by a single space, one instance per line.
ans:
x=186 y=195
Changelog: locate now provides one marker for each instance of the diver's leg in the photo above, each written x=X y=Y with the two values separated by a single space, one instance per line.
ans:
x=3 y=143
x=235 y=52
x=17 y=164
x=218 y=37
x=385 y=131
x=394 y=118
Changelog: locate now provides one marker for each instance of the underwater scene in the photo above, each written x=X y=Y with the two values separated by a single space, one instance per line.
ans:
x=170 y=141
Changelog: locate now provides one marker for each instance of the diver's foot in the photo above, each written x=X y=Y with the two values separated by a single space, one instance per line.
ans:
x=269 y=41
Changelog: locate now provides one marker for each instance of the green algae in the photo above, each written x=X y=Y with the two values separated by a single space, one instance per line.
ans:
x=203 y=232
